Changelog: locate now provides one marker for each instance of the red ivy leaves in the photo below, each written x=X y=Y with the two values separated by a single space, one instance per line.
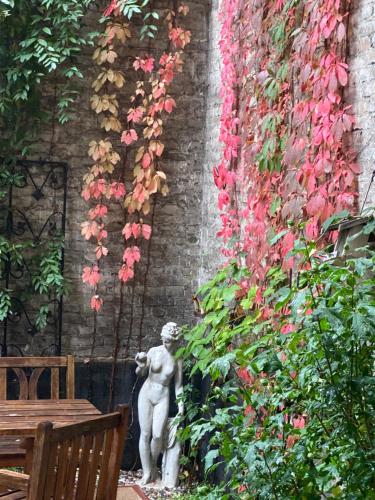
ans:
x=281 y=87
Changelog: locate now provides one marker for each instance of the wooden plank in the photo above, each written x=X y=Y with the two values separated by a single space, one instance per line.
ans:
x=49 y=486
x=55 y=383
x=41 y=402
x=16 y=495
x=103 y=474
x=94 y=464
x=83 y=474
x=23 y=383
x=40 y=461
x=91 y=425
x=70 y=378
x=62 y=468
x=73 y=464
x=33 y=383
x=28 y=444
x=33 y=362
x=116 y=452
x=47 y=412
x=51 y=403
x=14 y=480
x=24 y=420
x=3 y=383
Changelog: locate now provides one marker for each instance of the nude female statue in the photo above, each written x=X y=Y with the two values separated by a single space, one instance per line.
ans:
x=153 y=400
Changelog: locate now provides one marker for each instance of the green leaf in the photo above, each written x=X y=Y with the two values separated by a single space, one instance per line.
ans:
x=278 y=237
x=209 y=459
x=334 y=219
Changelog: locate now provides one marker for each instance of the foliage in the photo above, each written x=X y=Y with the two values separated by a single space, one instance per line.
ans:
x=290 y=408
x=141 y=127
x=283 y=125
x=39 y=38
x=39 y=42
x=42 y=264
x=5 y=7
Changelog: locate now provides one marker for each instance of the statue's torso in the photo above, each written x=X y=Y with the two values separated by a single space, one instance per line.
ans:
x=162 y=366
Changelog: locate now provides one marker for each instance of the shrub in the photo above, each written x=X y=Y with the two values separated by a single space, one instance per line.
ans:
x=289 y=412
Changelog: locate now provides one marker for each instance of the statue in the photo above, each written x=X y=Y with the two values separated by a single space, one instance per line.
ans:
x=153 y=400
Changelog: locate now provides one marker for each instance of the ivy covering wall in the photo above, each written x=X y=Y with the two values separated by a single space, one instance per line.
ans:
x=286 y=341
x=284 y=125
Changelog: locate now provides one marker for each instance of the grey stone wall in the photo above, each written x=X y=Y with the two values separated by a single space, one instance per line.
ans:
x=210 y=220
x=361 y=93
x=162 y=290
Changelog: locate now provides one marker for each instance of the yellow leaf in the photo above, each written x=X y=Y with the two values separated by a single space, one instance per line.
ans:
x=138 y=173
x=161 y=174
x=119 y=80
x=146 y=207
x=139 y=154
x=111 y=56
x=165 y=190
x=153 y=185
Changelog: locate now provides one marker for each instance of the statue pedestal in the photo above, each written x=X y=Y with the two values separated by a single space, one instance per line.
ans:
x=171 y=465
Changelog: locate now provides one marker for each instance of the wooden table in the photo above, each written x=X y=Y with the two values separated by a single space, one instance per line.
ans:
x=21 y=418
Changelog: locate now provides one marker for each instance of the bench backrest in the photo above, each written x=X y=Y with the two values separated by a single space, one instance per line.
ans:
x=79 y=461
x=28 y=386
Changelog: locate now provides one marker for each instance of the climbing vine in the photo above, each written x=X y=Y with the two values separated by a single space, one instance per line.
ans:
x=284 y=126
x=39 y=44
x=139 y=128
x=285 y=406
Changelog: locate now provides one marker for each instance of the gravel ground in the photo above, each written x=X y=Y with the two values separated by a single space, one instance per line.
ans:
x=154 y=491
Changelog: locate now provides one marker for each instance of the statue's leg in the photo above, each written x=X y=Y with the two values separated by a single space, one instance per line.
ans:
x=159 y=422
x=145 y=411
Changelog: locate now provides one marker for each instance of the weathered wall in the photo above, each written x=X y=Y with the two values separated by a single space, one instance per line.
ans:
x=184 y=248
x=361 y=90
x=210 y=222
x=162 y=292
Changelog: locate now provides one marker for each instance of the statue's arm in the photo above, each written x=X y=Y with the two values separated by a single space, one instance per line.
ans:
x=179 y=387
x=143 y=361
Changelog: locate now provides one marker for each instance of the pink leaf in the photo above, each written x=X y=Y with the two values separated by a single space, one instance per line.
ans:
x=96 y=303
x=341 y=32
x=342 y=75
x=91 y=275
x=98 y=211
x=118 y=189
x=315 y=205
x=125 y=273
x=136 y=230
x=129 y=136
x=146 y=231
x=169 y=104
x=131 y=255
x=146 y=160
x=127 y=231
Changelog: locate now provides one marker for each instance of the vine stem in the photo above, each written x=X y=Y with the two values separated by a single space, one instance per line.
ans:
x=116 y=347
x=147 y=270
x=271 y=477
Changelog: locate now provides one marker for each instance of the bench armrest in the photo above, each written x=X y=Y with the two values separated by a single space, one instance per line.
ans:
x=15 y=480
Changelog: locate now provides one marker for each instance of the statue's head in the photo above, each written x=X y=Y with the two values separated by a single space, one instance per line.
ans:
x=170 y=335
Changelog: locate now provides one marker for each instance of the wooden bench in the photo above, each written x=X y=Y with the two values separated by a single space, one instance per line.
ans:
x=28 y=371
x=73 y=462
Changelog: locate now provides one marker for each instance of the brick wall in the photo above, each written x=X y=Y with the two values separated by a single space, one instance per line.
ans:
x=210 y=244
x=175 y=246
x=184 y=249
x=361 y=90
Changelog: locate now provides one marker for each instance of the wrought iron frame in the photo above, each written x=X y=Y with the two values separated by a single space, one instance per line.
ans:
x=54 y=175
